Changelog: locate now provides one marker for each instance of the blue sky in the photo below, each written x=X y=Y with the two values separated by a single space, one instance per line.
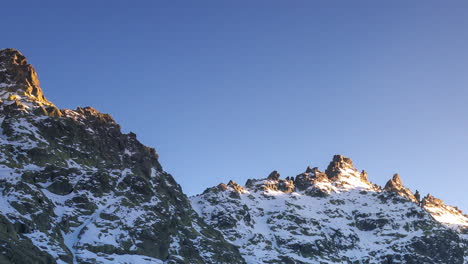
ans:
x=235 y=89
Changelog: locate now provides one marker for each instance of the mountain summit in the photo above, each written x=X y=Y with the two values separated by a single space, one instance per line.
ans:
x=18 y=79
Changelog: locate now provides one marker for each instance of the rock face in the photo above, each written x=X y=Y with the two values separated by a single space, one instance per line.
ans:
x=337 y=217
x=17 y=77
x=75 y=189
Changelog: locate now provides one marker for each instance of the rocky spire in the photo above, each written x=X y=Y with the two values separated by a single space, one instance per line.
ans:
x=396 y=185
x=338 y=163
x=274 y=176
x=364 y=176
x=18 y=80
x=417 y=195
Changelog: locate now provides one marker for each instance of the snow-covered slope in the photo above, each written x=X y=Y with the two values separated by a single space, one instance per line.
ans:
x=337 y=217
x=74 y=189
x=448 y=215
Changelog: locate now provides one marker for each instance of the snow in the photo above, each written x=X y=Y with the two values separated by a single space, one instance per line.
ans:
x=278 y=220
x=119 y=259
x=448 y=216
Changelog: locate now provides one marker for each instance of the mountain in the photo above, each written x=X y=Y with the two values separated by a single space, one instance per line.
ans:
x=75 y=189
x=336 y=216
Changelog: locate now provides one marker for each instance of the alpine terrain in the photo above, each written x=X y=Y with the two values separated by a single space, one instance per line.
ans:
x=336 y=216
x=75 y=189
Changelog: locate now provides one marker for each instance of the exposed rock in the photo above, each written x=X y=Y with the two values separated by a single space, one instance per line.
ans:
x=286 y=186
x=222 y=187
x=304 y=181
x=19 y=77
x=16 y=106
x=235 y=186
x=249 y=183
x=274 y=176
x=338 y=163
x=395 y=185
x=310 y=170
x=431 y=200
x=364 y=176
x=417 y=196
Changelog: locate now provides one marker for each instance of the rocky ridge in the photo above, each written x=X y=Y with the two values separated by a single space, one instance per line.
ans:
x=75 y=189
x=336 y=216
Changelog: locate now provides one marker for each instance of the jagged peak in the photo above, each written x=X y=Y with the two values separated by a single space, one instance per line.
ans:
x=236 y=187
x=336 y=166
x=431 y=200
x=19 y=81
x=341 y=176
x=344 y=176
x=395 y=185
x=273 y=176
x=313 y=171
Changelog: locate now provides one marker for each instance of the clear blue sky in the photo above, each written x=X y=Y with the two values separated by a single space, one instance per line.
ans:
x=235 y=89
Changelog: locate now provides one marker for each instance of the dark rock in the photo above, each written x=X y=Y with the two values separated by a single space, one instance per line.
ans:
x=274 y=176
x=286 y=186
x=417 y=196
x=303 y=181
x=334 y=168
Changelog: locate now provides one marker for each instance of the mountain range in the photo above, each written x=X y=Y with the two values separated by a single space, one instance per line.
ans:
x=75 y=189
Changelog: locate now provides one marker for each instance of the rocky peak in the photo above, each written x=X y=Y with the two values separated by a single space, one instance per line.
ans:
x=271 y=183
x=336 y=166
x=309 y=177
x=273 y=176
x=395 y=185
x=19 y=81
x=314 y=171
x=396 y=180
x=310 y=170
x=235 y=186
x=431 y=200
